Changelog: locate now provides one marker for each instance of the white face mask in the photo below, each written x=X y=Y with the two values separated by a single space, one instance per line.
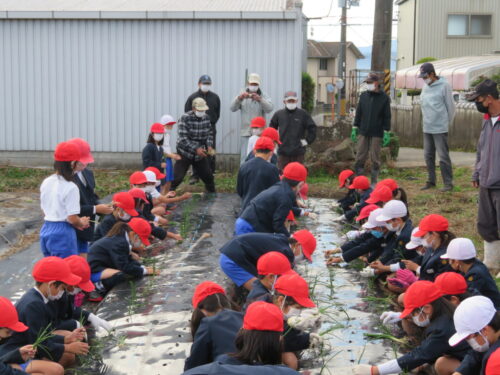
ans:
x=56 y=297
x=157 y=183
x=256 y=131
x=199 y=114
x=252 y=88
x=205 y=88
x=426 y=244
x=168 y=131
x=124 y=217
x=157 y=137
x=149 y=189
x=291 y=106
x=478 y=347
x=75 y=291
x=420 y=323
x=392 y=227
x=428 y=81
x=299 y=258
x=370 y=86
x=292 y=312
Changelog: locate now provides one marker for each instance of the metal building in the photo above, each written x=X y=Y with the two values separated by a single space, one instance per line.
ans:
x=104 y=70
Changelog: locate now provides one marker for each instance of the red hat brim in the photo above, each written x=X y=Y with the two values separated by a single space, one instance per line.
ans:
x=304 y=301
x=18 y=327
x=87 y=286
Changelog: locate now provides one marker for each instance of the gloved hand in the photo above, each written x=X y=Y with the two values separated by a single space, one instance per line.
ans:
x=308 y=320
x=367 y=272
x=340 y=218
x=313 y=216
x=390 y=317
x=303 y=142
x=99 y=323
x=387 y=139
x=362 y=370
x=354 y=134
x=352 y=234
x=315 y=341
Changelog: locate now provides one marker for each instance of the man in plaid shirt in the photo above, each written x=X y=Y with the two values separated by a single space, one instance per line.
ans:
x=195 y=142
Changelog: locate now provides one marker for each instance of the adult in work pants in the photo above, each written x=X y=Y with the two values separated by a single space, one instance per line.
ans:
x=202 y=167
x=488 y=217
x=439 y=143
x=211 y=159
x=368 y=146
x=284 y=160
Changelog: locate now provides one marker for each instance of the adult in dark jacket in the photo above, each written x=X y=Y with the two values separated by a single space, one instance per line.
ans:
x=373 y=118
x=213 y=102
x=297 y=130
x=257 y=174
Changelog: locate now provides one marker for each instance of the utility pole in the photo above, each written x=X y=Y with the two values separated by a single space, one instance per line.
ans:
x=342 y=59
x=382 y=36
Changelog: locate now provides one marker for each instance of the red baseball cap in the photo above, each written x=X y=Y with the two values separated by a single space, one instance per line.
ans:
x=380 y=194
x=54 y=269
x=205 y=289
x=258 y=122
x=296 y=287
x=157 y=128
x=66 y=151
x=264 y=143
x=432 y=223
x=366 y=211
x=343 y=176
x=138 y=193
x=271 y=133
x=307 y=241
x=125 y=201
x=274 y=263
x=291 y=216
x=493 y=364
x=79 y=266
x=451 y=283
x=360 y=182
x=263 y=316
x=295 y=171
x=142 y=228
x=418 y=294
x=9 y=317
x=137 y=178
x=85 y=154
x=156 y=171
x=390 y=183
x=304 y=190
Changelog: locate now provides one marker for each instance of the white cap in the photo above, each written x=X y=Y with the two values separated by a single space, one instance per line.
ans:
x=460 y=249
x=254 y=78
x=414 y=241
x=471 y=316
x=372 y=220
x=392 y=210
x=166 y=119
x=150 y=176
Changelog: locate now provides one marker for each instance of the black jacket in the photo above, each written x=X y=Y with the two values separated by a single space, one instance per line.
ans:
x=349 y=200
x=104 y=226
x=475 y=362
x=12 y=357
x=215 y=336
x=34 y=313
x=213 y=102
x=152 y=156
x=267 y=212
x=396 y=250
x=246 y=249
x=254 y=177
x=432 y=265
x=88 y=200
x=479 y=278
x=353 y=212
x=64 y=309
x=293 y=126
x=434 y=345
x=113 y=252
x=373 y=114
x=274 y=158
x=360 y=246
x=258 y=293
x=293 y=339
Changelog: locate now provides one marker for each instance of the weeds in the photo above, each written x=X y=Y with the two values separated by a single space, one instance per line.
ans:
x=44 y=335
x=133 y=303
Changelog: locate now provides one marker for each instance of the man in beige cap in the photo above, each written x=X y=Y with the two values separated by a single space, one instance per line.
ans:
x=252 y=102
x=195 y=141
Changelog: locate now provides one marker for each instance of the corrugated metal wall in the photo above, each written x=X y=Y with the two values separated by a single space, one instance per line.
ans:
x=107 y=81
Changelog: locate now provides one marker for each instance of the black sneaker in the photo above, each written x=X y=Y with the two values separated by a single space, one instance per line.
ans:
x=446 y=188
x=428 y=186
x=95 y=296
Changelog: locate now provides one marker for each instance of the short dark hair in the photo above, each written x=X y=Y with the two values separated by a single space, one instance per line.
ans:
x=64 y=169
x=258 y=347
x=289 y=301
x=152 y=140
x=211 y=303
x=469 y=261
x=495 y=322
x=460 y=297
x=292 y=183
x=263 y=151
x=57 y=283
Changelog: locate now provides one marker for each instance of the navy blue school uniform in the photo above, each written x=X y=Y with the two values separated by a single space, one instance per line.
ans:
x=254 y=177
x=294 y=340
x=432 y=265
x=434 y=345
x=258 y=293
x=12 y=357
x=395 y=250
x=152 y=156
x=215 y=336
x=475 y=362
x=114 y=252
x=246 y=249
x=360 y=246
x=274 y=158
x=351 y=198
x=88 y=200
x=34 y=312
x=352 y=213
x=66 y=314
x=267 y=212
x=479 y=278
x=104 y=226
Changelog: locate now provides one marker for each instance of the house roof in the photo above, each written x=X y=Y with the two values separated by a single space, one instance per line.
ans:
x=317 y=49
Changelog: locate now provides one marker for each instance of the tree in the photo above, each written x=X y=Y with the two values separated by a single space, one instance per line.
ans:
x=307 y=92
x=426 y=59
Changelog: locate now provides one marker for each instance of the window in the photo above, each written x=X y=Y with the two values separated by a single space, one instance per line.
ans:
x=323 y=64
x=469 y=25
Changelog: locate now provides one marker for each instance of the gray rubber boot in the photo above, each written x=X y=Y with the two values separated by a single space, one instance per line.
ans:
x=492 y=256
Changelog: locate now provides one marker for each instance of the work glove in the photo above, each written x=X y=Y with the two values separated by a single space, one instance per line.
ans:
x=387 y=139
x=315 y=341
x=362 y=370
x=367 y=272
x=313 y=216
x=354 y=134
x=340 y=218
x=303 y=142
x=352 y=234
x=390 y=317
x=308 y=320
x=99 y=323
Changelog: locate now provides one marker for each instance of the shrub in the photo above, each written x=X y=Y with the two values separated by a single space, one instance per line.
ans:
x=307 y=92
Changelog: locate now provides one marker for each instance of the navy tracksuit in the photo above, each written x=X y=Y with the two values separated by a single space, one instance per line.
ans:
x=352 y=213
x=12 y=357
x=215 y=336
x=254 y=177
x=258 y=293
x=479 y=278
x=66 y=314
x=246 y=249
x=434 y=345
x=37 y=315
x=267 y=212
x=395 y=249
x=432 y=265
x=360 y=246
x=475 y=362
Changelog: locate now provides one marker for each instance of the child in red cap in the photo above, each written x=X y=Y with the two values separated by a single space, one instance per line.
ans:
x=257 y=126
x=214 y=325
x=168 y=123
x=275 y=137
x=152 y=153
x=362 y=189
x=60 y=202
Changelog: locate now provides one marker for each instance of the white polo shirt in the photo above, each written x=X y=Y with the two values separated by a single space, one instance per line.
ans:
x=59 y=198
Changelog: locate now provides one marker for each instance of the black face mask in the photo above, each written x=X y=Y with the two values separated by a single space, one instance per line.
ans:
x=481 y=108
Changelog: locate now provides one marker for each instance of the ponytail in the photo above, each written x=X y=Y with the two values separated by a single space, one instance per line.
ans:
x=213 y=304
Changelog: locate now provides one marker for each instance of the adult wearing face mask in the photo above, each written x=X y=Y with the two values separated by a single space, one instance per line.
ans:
x=195 y=142
x=486 y=175
x=213 y=101
x=438 y=110
x=372 y=121
x=252 y=102
x=296 y=128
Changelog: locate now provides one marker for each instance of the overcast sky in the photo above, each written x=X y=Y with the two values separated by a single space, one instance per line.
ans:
x=328 y=28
